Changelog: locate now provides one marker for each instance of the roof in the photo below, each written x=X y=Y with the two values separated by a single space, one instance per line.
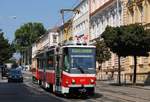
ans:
x=80 y=46
x=81 y=2
x=55 y=29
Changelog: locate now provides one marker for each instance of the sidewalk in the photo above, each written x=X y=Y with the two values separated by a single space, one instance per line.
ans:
x=113 y=83
x=4 y=80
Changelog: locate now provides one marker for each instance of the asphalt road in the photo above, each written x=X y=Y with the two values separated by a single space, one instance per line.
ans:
x=29 y=92
x=25 y=92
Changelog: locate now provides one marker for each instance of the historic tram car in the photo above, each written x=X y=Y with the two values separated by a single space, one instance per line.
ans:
x=67 y=69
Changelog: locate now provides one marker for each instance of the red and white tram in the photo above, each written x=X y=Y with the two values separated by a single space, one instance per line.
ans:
x=67 y=69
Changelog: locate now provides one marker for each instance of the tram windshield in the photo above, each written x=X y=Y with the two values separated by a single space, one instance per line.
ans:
x=82 y=60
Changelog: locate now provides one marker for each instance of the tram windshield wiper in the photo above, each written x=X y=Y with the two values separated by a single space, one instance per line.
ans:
x=81 y=70
x=79 y=67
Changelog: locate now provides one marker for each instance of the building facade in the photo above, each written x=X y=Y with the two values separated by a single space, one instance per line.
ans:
x=81 y=21
x=45 y=41
x=105 y=13
x=102 y=14
x=138 y=11
x=65 y=32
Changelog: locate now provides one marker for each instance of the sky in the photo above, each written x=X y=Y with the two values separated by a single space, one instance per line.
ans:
x=14 y=13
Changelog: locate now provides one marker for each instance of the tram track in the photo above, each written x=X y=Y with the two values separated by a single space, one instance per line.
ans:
x=123 y=96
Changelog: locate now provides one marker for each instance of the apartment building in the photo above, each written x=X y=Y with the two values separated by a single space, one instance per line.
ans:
x=81 y=21
x=44 y=42
x=138 y=11
x=105 y=13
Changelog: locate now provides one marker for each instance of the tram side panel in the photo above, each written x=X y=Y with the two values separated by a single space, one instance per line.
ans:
x=50 y=70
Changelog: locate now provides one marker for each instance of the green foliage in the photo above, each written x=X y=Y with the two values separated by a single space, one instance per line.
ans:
x=10 y=61
x=130 y=40
x=6 y=49
x=127 y=40
x=28 y=34
x=102 y=52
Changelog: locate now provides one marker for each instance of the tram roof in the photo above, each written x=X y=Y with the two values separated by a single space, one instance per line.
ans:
x=79 y=46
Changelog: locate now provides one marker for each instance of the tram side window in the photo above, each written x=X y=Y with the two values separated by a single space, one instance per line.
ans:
x=66 y=63
x=50 y=62
x=66 y=60
x=40 y=64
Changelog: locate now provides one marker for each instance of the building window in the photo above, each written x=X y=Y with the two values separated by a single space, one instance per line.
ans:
x=54 y=39
x=141 y=12
x=131 y=15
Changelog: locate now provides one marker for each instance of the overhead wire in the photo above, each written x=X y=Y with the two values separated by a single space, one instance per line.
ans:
x=59 y=22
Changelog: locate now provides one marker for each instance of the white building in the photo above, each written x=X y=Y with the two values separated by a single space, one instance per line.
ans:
x=103 y=13
x=81 y=20
x=45 y=41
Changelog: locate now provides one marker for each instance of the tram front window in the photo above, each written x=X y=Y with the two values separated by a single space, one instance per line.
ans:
x=82 y=64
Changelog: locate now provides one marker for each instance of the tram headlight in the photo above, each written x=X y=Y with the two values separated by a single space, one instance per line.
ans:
x=67 y=82
x=92 y=81
x=73 y=81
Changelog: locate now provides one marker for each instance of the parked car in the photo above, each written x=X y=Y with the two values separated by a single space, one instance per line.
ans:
x=15 y=75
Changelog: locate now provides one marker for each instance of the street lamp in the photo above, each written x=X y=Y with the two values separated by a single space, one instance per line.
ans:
x=14 y=17
x=9 y=17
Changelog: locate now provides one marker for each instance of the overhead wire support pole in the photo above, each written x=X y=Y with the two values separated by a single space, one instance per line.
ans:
x=65 y=10
x=62 y=11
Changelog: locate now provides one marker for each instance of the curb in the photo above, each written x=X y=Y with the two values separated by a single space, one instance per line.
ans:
x=140 y=87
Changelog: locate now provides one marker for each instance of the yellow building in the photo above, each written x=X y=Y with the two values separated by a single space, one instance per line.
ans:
x=137 y=11
x=65 y=32
x=68 y=30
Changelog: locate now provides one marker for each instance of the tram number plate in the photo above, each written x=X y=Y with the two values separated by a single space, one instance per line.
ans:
x=82 y=90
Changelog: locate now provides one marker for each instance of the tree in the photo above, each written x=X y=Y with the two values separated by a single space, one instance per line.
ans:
x=112 y=39
x=6 y=49
x=102 y=52
x=129 y=40
x=28 y=33
x=25 y=36
x=137 y=40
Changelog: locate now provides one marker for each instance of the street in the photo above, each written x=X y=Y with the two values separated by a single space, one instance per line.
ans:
x=24 y=92
x=29 y=92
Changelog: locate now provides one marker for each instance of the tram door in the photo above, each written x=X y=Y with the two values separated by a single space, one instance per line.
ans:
x=58 y=70
x=44 y=67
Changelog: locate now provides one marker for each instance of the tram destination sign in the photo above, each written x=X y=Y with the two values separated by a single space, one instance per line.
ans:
x=81 y=50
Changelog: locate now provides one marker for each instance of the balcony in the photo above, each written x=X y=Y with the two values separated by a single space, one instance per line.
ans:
x=113 y=69
x=147 y=26
x=130 y=3
x=138 y=1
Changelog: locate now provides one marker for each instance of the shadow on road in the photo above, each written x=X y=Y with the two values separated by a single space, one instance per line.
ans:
x=127 y=84
x=20 y=92
x=82 y=97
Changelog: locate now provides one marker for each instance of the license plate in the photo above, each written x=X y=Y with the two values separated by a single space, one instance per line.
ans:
x=82 y=90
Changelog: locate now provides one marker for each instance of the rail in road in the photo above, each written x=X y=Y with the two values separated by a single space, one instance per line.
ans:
x=104 y=93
